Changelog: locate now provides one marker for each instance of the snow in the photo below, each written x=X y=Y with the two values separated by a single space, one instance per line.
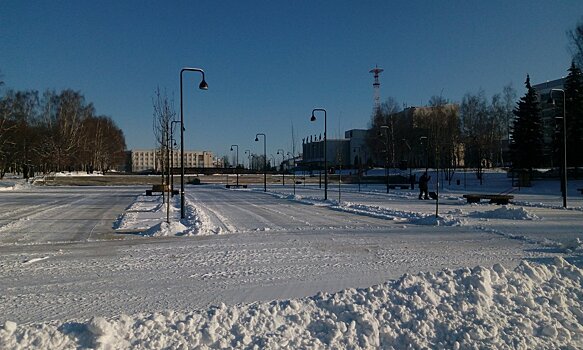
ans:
x=532 y=306
x=248 y=269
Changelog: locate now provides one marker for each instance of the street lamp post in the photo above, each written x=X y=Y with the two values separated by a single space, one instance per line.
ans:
x=291 y=156
x=564 y=177
x=359 y=165
x=264 y=159
x=236 y=163
x=172 y=143
x=386 y=127
x=313 y=118
x=203 y=86
x=409 y=165
x=282 y=160
x=423 y=139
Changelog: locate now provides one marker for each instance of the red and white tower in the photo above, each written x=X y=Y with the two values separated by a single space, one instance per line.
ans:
x=376 y=87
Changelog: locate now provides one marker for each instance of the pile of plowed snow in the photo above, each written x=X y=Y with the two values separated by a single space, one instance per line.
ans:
x=506 y=212
x=532 y=307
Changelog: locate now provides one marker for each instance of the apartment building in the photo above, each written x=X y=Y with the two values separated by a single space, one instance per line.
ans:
x=151 y=160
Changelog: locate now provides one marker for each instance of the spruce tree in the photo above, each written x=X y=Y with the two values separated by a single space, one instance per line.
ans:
x=527 y=132
x=574 y=112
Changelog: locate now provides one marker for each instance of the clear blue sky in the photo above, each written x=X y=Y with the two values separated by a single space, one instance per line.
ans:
x=268 y=63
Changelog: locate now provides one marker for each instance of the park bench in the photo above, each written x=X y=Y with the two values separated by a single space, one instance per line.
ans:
x=161 y=189
x=400 y=186
x=494 y=198
x=236 y=186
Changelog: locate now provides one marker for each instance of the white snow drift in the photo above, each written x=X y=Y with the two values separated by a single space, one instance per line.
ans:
x=534 y=306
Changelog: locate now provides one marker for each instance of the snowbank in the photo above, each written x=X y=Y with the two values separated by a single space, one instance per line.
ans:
x=14 y=186
x=506 y=212
x=533 y=306
x=147 y=216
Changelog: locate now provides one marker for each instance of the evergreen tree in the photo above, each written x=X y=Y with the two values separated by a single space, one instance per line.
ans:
x=527 y=132
x=574 y=112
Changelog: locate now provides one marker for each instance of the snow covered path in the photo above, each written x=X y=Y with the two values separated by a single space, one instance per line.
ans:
x=63 y=214
x=276 y=249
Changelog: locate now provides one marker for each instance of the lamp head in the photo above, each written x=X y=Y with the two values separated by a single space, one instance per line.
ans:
x=256 y=138
x=231 y=148
x=313 y=118
x=203 y=85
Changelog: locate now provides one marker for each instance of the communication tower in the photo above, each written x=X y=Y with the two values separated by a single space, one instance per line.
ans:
x=376 y=87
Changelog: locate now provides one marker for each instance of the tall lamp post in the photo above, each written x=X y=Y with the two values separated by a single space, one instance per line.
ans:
x=203 y=86
x=172 y=143
x=264 y=160
x=313 y=118
x=564 y=177
x=236 y=163
x=359 y=165
x=386 y=127
x=409 y=164
x=423 y=139
x=291 y=156
x=282 y=160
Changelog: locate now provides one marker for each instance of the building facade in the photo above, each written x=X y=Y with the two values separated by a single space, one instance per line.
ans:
x=152 y=160
x=548 y=113
x=346 y=153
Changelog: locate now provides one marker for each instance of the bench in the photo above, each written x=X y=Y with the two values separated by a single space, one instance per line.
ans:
x=161 y=189
x=494 y=198
x=236 y=186
x=400 y=186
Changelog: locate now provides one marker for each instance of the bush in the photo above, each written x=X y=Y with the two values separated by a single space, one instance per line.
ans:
x=194 y=181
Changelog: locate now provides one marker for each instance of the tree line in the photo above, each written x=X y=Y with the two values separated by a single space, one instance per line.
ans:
x=55 y=132
x=442 y=134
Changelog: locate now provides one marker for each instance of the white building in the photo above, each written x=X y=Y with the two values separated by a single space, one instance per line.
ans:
x=150 y=159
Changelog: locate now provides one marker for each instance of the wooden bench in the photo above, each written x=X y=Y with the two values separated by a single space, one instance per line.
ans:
x=494 y=198
x=236 y=186
x=400 y=186
x=161 y=189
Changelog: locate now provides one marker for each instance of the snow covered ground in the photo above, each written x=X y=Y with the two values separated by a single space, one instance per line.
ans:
x=98 y=267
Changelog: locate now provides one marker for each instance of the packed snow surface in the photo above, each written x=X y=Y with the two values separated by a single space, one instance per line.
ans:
x=532 y=306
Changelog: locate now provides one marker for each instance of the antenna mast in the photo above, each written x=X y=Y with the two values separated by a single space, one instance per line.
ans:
x=376 y=87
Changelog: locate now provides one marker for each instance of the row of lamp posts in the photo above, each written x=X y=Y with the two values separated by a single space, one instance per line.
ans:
x=204 y=86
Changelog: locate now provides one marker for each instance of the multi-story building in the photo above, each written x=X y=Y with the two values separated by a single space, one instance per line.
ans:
x=548 y=113
x=151 y=160
x=345 y=153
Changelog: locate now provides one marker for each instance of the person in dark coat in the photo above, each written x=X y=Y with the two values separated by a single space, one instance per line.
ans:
x=423 y=186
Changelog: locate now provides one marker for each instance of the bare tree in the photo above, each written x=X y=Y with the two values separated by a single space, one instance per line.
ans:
x=476 y=124
x=164 y=114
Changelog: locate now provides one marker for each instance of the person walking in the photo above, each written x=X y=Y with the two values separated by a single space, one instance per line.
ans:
x=423 y=186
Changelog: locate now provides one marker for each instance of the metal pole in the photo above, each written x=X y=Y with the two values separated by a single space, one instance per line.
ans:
x=564 y=175
x=264 y=160
x=282 y=161
x=203 y=86
x=325 y=148
x=564 y=152
x=237 y=164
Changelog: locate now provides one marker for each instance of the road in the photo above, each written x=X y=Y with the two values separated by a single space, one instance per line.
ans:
x=61 y=214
